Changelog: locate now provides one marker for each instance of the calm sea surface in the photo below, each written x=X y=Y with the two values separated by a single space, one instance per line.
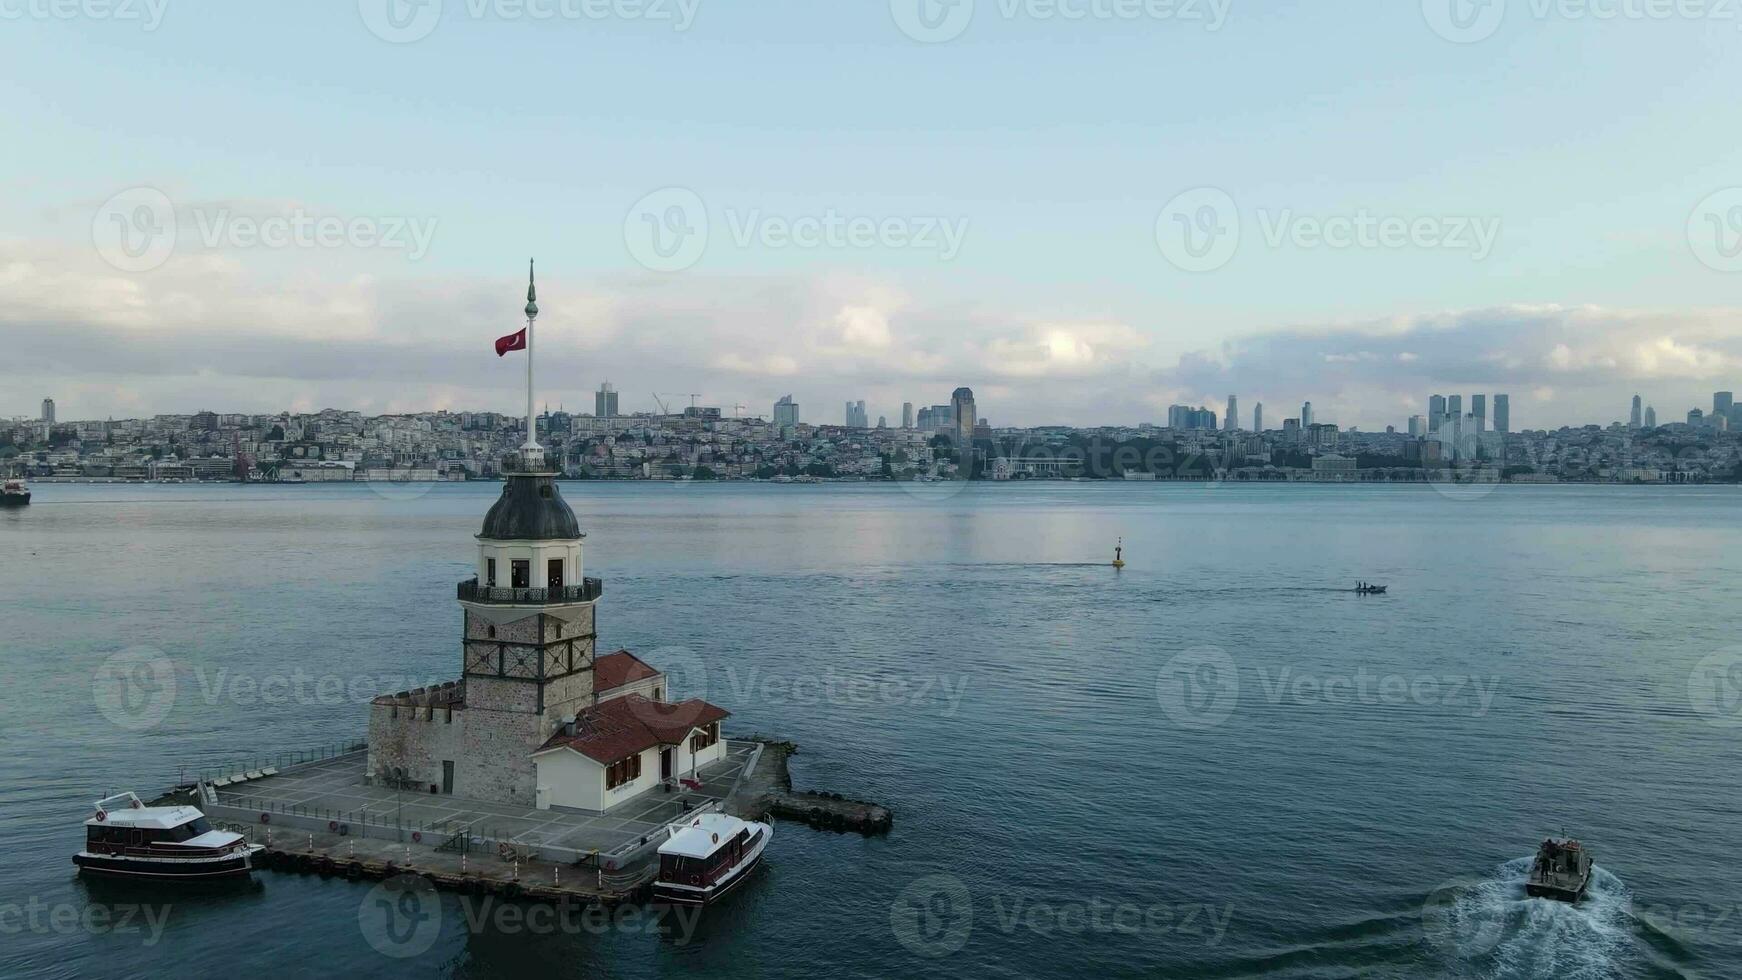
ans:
x=1211 y=764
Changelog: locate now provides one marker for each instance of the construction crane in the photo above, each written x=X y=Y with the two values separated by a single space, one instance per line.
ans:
x=693 y=396
x=663 y=410
x=738 y=410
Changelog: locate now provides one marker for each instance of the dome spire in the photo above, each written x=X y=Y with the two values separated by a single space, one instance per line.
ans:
x=531 y=454
x=531 y=291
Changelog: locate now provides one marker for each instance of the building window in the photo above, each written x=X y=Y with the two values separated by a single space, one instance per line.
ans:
x=623 y=771
x=490 y=573
x=521 y=569
x=705 y=738
x=554 y=572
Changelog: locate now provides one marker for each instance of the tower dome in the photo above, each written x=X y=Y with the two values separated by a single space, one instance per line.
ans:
x=531 y=508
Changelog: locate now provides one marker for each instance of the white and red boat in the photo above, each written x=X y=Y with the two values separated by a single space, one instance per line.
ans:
x=707 y=856
x=126 y=838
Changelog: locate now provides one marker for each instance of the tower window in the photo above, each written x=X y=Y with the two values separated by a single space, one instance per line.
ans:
x=490 y=572
x=521 y=569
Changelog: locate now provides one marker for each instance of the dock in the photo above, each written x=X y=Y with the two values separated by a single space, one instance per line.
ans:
x=317 y=814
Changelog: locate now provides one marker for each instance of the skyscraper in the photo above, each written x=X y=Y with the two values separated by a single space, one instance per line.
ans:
x=1650 y=417
x=1232 y=421
x=856 y=417
x=605 y=401
x=1479 y=411
x=962 y=404
x=1455 y=406
x=1436 y=410
x=1502 y=413
x=48 y=410
x=1258 y=418
x=1418 y=425
x=1187 y=417
x=1306 y=415
x=1636 y=419
x=907 y=415
x=786 y=415
x=1721 y=403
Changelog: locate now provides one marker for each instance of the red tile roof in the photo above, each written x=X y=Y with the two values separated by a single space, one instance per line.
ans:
x=614 y=670
x=623 y=726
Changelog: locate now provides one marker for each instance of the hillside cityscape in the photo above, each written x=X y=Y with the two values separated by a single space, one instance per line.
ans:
x=1452 y=439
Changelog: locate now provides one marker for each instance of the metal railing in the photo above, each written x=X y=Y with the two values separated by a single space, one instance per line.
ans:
x=589 y=590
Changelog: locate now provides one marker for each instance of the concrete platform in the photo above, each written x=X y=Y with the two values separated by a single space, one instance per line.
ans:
x=333 y=791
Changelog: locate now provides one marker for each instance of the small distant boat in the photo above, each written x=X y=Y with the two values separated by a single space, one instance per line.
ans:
x=1366 y=589
x=13 y=493
x=1561 y=871
x=707 y=856
x=1119 y=554
x=127 y=839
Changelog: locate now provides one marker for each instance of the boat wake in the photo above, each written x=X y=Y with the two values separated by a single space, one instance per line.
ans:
x=1492 y=923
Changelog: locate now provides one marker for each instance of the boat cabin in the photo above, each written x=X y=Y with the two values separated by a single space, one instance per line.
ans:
x=706 y=850
x=134 y=828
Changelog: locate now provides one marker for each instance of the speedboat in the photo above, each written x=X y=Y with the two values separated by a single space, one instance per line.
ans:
x=1371 y=589
x=128 y=839
x=1561 y=871
x=707 y=856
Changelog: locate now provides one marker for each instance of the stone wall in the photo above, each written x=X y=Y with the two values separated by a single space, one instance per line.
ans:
x=414 y=739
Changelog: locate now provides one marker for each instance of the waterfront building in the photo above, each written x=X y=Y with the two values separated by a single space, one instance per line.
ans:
x=907 y=415
x=537 y=718
x=1502 y=413
x=605 y=402
x=1636 y=419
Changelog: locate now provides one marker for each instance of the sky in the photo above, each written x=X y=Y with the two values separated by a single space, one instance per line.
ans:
x=1086 y=210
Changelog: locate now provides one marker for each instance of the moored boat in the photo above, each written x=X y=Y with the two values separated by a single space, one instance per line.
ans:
x=126 y=838
x=13 y=493
x=707 y=856
x=1561 y=871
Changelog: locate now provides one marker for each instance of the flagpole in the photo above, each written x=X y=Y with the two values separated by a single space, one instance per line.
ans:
x=531 y=448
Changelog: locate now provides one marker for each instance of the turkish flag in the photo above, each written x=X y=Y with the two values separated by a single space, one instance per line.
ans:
x=514 y=341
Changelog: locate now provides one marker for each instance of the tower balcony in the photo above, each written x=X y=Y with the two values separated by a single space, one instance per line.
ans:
x=589 y=590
